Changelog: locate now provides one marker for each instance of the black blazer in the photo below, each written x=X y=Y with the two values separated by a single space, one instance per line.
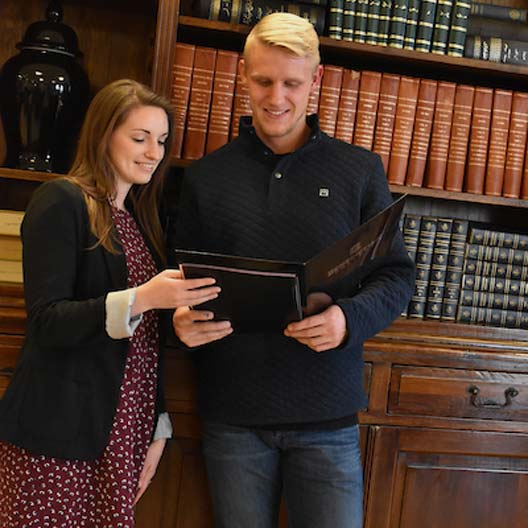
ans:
x=63 y=395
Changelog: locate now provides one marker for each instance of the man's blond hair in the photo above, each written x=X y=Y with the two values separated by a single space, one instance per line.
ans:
x=286 y=30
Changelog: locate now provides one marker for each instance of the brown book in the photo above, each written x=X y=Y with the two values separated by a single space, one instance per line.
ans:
x=524 y=186
x=388 y=100
x=513 y=170
x=346 y=112
x=241 y=106
x=456 y=161
x=423 y=124
x=313 y=100
x=10 y=247
x=180 y=90
x=329 y=98
x=11 y=271
x=199 y=103
x=478 y=140
x=222 y=100
x=403 y=129
x=498 y=142
x=369 y=88
x=440 y=135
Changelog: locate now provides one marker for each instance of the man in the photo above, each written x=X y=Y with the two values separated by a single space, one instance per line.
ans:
x=279 y=410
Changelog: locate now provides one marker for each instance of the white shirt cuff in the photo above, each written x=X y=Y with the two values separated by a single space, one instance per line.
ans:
x=164 y=427
x=119 y=323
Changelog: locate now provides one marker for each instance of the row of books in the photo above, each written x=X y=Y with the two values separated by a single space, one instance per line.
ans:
x=469 y=273
x=436 y=134
x=10 y=246
x=436 y=26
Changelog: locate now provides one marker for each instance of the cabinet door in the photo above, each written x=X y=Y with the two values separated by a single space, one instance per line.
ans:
x=454 y=479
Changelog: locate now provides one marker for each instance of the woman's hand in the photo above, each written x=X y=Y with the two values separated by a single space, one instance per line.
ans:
x=168 y=290
x=152 y=459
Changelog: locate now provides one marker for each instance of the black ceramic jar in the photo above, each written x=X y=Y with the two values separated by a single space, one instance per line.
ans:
x=44 y=93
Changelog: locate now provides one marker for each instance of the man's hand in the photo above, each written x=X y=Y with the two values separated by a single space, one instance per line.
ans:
x=195 y=328
x=320 y=332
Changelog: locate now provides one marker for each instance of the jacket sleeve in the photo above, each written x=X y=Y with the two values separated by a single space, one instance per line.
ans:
x=54 y=236
x=387 y=284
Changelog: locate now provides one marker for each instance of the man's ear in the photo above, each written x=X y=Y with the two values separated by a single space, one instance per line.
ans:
x=318 y=74
x=242 y=70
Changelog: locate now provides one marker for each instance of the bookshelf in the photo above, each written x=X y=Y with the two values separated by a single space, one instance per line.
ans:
x=421 y=435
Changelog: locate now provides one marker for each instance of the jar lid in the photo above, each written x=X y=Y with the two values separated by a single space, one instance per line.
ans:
x=51 y=34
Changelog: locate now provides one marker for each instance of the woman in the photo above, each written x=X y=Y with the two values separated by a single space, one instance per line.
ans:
x=78 y=419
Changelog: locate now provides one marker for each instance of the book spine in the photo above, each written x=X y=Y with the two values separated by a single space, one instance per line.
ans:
x=349 y=16
x=489 y=27
x=456 y=160
x=241 y=106
x=410 y=232
x=495 y=269
x=373 y=22
x=10 y=222
x=458 y=29
x=499 y=301
x=360 y=21
x=424 y=31
x=501 y=12
x=335 y=19
x=316 y=14
x=180 y=91
x=441 y=27
x=491 y=237
x=369 y=88
x=513 y=51
x=411 y=26
x=384 y=22
x=524 y=185
x=313 y=100
x=424 y=255
x=516 y=146
x=437 y=279
x=423 y=124
x=329 y=99
x=493 y=317
x=440 y=135
x=500 y=125
x=10 y=248
x=478 y=140
x=494 y=285
x=517 y=257
x=455 y=263
x=346 y=113
x=385 y=119
x=222 y=100
x=403 y=129
x=199 y=103
x=397 y=23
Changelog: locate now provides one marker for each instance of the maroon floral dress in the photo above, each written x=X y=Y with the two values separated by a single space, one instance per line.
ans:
x=45 y=492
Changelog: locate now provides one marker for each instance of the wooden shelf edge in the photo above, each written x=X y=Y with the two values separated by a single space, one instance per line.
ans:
x=27 y=175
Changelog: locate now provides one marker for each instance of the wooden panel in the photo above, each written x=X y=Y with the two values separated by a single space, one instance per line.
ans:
x=449 y=479
x=9 y=352
x=458 y=393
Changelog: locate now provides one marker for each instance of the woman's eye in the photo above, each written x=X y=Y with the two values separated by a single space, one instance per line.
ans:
x=138 y=140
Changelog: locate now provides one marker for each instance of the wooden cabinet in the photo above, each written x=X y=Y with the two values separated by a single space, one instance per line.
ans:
x=445 y=435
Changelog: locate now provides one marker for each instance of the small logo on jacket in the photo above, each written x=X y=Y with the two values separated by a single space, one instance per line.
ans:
x=324 y=192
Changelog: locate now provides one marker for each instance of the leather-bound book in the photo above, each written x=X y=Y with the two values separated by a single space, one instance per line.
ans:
x=478 y=140
x=349 y=14
x=360 y=21
x=515 y=152
x=411 y=26
x=388 y=100
x=410 y=232
x=441 y=27
x=500 y=12
x=199 y=103
x=384 y=22
x=346 y=112
x=329 y=98
x=424 y=31
x=492 y=317
x=458 y=29
x=403 y=129
x=487 y=235
x=397 y=23
x=373 y=22
x=241 y=106
x=500 y=126
x=369 y=88
x=222 y=99
x=335 y=19
x=456 y=161
x=180 y=90
x=524 y=185
x=440 y=135
x=423 y=123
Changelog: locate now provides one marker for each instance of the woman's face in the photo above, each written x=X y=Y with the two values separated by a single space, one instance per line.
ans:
x=137 y=146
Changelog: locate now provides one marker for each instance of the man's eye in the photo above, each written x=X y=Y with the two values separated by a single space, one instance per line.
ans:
x=291 y=84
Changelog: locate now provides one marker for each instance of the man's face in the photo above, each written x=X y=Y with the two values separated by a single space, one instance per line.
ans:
x=279 y=85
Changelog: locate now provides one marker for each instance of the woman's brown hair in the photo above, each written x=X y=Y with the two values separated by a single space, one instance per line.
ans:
x=92 y=169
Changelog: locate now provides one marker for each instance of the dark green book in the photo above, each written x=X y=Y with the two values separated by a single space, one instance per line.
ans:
x=424 y=257
x=398 y=22
x=360 y=21
x=441 y=27
x=437 y=278
x=500 y=12
x=492 y=317
x=349 y=16
x=384 y=22
x=458 y=28
x=424 y=32
x=495 y=269
x=411 y=27
x=500 y=301
x=373 y=21
x=455 y=264
x=335 y=19
x=410 y=232
x=487 y=236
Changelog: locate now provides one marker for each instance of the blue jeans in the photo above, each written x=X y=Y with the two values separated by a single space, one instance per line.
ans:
x=318 y=473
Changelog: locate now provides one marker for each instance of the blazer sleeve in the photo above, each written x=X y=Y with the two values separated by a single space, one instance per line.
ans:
x=55 y=236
